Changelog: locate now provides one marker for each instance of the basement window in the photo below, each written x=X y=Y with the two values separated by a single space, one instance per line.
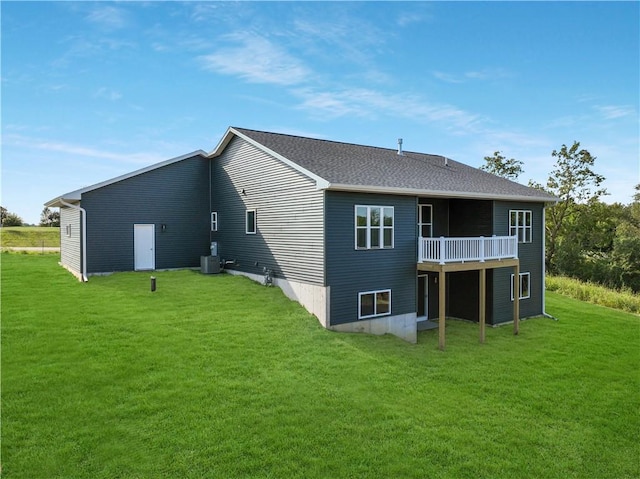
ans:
x=251 y=226
x=525 y=281
x=374 y=303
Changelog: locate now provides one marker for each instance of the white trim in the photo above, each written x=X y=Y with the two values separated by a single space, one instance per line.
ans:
x=368 y=228
x=375 y=304
x=321 y=183
x=246 y=221
x=522 y=227
x=521 y=275
x=438 y=193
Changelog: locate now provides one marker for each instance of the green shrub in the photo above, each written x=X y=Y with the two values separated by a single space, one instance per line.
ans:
x=624 y=300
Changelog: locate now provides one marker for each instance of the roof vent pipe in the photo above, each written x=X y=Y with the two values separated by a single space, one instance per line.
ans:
x=400 y=146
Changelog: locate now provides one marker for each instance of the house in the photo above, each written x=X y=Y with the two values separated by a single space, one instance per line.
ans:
x=367 y=239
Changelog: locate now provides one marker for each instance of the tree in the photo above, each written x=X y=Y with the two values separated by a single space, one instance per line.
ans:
x=500 y=166
x=626 y=246
x=12 y=219
x=3 y=214
x=49 y=218
x=574 y=182
x=587 y=246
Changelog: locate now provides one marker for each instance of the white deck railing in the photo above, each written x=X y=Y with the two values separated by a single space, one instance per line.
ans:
x=458 y=250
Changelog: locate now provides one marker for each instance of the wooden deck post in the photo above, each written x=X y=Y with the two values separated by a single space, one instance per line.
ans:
x=483 y=301
x=516 y=299
x=442 y=279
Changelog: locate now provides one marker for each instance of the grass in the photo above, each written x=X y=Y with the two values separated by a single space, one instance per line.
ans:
x=29 y=236
x=216 y=376
x=624 y=300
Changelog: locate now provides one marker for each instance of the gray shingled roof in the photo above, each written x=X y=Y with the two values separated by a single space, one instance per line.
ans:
x=368 y=168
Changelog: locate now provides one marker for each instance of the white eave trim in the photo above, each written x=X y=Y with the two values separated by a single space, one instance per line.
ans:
x=321 y=183
x=438 y=194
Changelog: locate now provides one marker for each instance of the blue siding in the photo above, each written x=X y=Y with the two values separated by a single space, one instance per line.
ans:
x=176 y=195
x=531 y=258
x=289 y=215
x=71 y=246
x=350 y=271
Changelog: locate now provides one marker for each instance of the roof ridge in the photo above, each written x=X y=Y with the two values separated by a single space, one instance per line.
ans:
x=337 y=142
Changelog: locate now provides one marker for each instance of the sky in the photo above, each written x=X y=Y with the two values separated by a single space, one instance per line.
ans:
x=94 y=90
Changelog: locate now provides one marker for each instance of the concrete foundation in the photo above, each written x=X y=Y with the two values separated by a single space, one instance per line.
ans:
x=403 y=325
x=313 y=298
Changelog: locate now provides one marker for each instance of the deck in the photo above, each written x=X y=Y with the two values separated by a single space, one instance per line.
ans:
x=445 y=255
x=463 y=250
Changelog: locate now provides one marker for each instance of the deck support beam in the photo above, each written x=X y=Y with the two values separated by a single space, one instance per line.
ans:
x=442 y=280
x=443 y=269
x=516 y=298
x=483 y=302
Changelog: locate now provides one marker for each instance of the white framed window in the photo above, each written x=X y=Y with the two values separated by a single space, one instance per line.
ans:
x=251 y=223
x=524 y=286
x=374 y=303
x=214 y=221
x=67 y=230
x=374 y=227
x=520 y=225
x=425 y=220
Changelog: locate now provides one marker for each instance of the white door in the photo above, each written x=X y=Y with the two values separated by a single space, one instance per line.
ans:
x=144 y=247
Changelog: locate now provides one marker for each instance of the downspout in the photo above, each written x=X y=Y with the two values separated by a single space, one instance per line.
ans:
x=83 y=220
x=210 y=201
x=544 y=264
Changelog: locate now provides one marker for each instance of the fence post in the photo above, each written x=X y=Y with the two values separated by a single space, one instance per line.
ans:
x=442 y=249
x=482 y=249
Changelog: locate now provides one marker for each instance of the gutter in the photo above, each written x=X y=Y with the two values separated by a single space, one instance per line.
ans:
x=390 y=190
x=83 y=219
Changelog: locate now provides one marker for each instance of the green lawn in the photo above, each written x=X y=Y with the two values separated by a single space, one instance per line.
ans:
x=216 y=376
x=29 y=236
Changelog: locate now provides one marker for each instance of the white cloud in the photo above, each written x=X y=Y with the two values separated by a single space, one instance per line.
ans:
x=256 y=60
x=80 y=47
x=108 y=17
x=27 y=143
x=485 y=74
x=371 y=104
x=409 y=18
x=448 y=77
x=108 y=94
x=612 y=112
x=331 y=104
